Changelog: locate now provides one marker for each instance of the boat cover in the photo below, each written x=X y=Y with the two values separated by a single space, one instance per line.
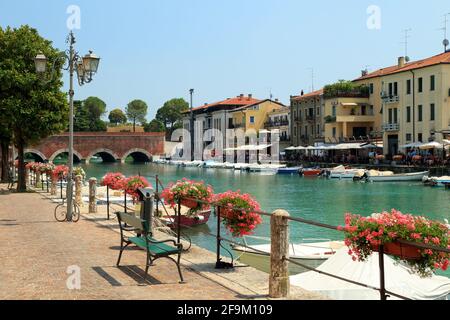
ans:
x=398 y=279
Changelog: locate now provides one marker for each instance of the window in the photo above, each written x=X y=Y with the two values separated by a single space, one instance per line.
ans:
x=300 y=115
x=395 y=115
x=318 y=129
x=334 y=132
x=371 y=88
x=318 y=111
x=390 y=89
x=334 y=111
x=420 y=112
x=395 y=89
x=420 y=84
x=252 y=119
x=408 y=114
x=408 y=137
x=432 y=83
x=390 y=118
x=420 y=137
x=408 y=87
x=432 y=115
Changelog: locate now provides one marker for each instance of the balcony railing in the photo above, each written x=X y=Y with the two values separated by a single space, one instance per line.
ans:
x=390 y=99
x=389 y=127
x=271 y=124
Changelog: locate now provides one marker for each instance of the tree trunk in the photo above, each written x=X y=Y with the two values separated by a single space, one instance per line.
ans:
x=4 y=146
x=134 y=125
x=21 y=184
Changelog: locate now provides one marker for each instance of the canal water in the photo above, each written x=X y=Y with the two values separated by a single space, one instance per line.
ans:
x=316 y=199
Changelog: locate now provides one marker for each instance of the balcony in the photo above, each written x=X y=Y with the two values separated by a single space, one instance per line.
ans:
x=310 y=118
x=272 y=124
x=355 y=118
x=391 y=127
x=390 y=99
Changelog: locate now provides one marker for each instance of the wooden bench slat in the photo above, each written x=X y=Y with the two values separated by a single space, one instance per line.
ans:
x=155 y=249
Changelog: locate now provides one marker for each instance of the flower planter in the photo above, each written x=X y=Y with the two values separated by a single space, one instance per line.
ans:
x=400 y=250
x=192 y=204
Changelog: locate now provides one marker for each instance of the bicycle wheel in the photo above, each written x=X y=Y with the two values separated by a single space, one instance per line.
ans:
x=60 y=213
x=75 y=213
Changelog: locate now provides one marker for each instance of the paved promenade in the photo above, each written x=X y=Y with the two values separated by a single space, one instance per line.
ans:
x=37 y=252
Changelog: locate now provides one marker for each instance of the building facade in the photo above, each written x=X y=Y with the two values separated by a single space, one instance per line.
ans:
x=414 y=99
x=307 y=118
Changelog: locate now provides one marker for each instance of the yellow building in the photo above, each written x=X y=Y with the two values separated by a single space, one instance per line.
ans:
x=415 y=101
x=125 y=128
x=254 y=116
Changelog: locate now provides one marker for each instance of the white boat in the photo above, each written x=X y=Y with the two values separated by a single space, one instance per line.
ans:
x=437 y=181
x=341 y=172
x=399 y=279
x=309 y=254
x=379 y=176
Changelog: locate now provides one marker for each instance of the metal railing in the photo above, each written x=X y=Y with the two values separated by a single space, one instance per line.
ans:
x=391 y=127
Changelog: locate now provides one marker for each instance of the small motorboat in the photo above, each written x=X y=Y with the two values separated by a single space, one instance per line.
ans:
x=292 y=170
x=436 y=181
x=186 y=221
x=310 y=172
x=309 y=254
x=342 y=172
x=388 y=176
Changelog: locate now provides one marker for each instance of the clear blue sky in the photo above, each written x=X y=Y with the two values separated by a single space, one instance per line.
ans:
x=156 y=50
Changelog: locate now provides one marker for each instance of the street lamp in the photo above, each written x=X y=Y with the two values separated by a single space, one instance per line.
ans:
x=191 y=126
x=85 y=67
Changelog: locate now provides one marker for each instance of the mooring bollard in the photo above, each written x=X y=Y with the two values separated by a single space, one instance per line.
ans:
x=78 y=186
x=279 y=285
x=92 y=195
x=38 y=179
x=53 y=186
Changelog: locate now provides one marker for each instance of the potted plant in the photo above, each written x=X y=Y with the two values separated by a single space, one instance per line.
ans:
x=78 y=171
x=132 y=184
x=187 y=192
x=61 y=171
x=113 y=180
x=363 y=235
x=238 y=212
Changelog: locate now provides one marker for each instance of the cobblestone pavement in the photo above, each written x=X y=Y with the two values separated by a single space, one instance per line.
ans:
x=36 y=253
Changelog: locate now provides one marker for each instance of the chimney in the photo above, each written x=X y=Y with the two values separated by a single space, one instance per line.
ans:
x=401 y=62
x=250 y=96
x=276 y=100
x=302 y=93
x=241 y=96
x=364 y=72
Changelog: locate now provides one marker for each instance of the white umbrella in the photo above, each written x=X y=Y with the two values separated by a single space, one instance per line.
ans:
x=412 y=145
x=431 y=145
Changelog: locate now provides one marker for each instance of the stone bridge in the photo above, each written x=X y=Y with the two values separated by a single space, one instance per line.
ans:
x=111 y=147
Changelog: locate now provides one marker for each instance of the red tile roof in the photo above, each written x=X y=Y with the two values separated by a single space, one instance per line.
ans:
x=443 y=58
x=238 y=101
x=308 y=95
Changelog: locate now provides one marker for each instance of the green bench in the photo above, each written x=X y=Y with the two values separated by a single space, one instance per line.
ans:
x=154 y=249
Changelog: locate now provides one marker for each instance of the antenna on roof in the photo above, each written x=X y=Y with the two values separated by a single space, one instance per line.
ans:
x=445 y=42
x=405 y=42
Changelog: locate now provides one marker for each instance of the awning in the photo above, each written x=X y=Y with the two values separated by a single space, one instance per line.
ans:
x=250 y=147
x=412 y=145
x=349 y=104
x=348 y=146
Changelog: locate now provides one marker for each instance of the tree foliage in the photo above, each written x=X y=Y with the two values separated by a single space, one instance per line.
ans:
x=117 y=116
x=32 y=108
x=345 y=88
x=154 y=126
x=88 y=115
x=136 y=111
x=170 y=113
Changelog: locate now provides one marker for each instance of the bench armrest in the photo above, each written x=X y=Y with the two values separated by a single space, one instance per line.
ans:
x=178 y=245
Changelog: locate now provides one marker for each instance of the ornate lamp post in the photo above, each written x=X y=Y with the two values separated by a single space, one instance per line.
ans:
x=85 y=67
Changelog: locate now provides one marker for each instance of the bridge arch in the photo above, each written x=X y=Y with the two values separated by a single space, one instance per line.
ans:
x=37 y=155
x=77 y=157
x=138 y=155
x=107 y=155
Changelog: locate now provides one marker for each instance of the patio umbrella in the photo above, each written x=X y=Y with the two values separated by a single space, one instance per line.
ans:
x=431 y=145
x=412 y=145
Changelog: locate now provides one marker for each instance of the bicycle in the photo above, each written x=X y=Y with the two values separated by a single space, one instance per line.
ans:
x=61 y=212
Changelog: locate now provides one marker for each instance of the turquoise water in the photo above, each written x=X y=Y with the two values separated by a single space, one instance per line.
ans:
x=320 y=200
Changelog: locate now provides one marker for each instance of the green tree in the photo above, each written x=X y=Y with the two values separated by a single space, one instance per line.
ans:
x=32 y=108
x=136 y=112
x=81 y=121
x=170 y=114
x=154 y=126
x=95 y=108
x=117 y=116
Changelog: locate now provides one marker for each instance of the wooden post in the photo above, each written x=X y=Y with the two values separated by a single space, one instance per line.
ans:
x=78 y=186
x=54 y=184
x=92 y=195
x=279 y=285
x=38 y=179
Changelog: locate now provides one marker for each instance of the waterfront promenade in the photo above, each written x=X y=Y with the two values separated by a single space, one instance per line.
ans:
x=37 y=251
